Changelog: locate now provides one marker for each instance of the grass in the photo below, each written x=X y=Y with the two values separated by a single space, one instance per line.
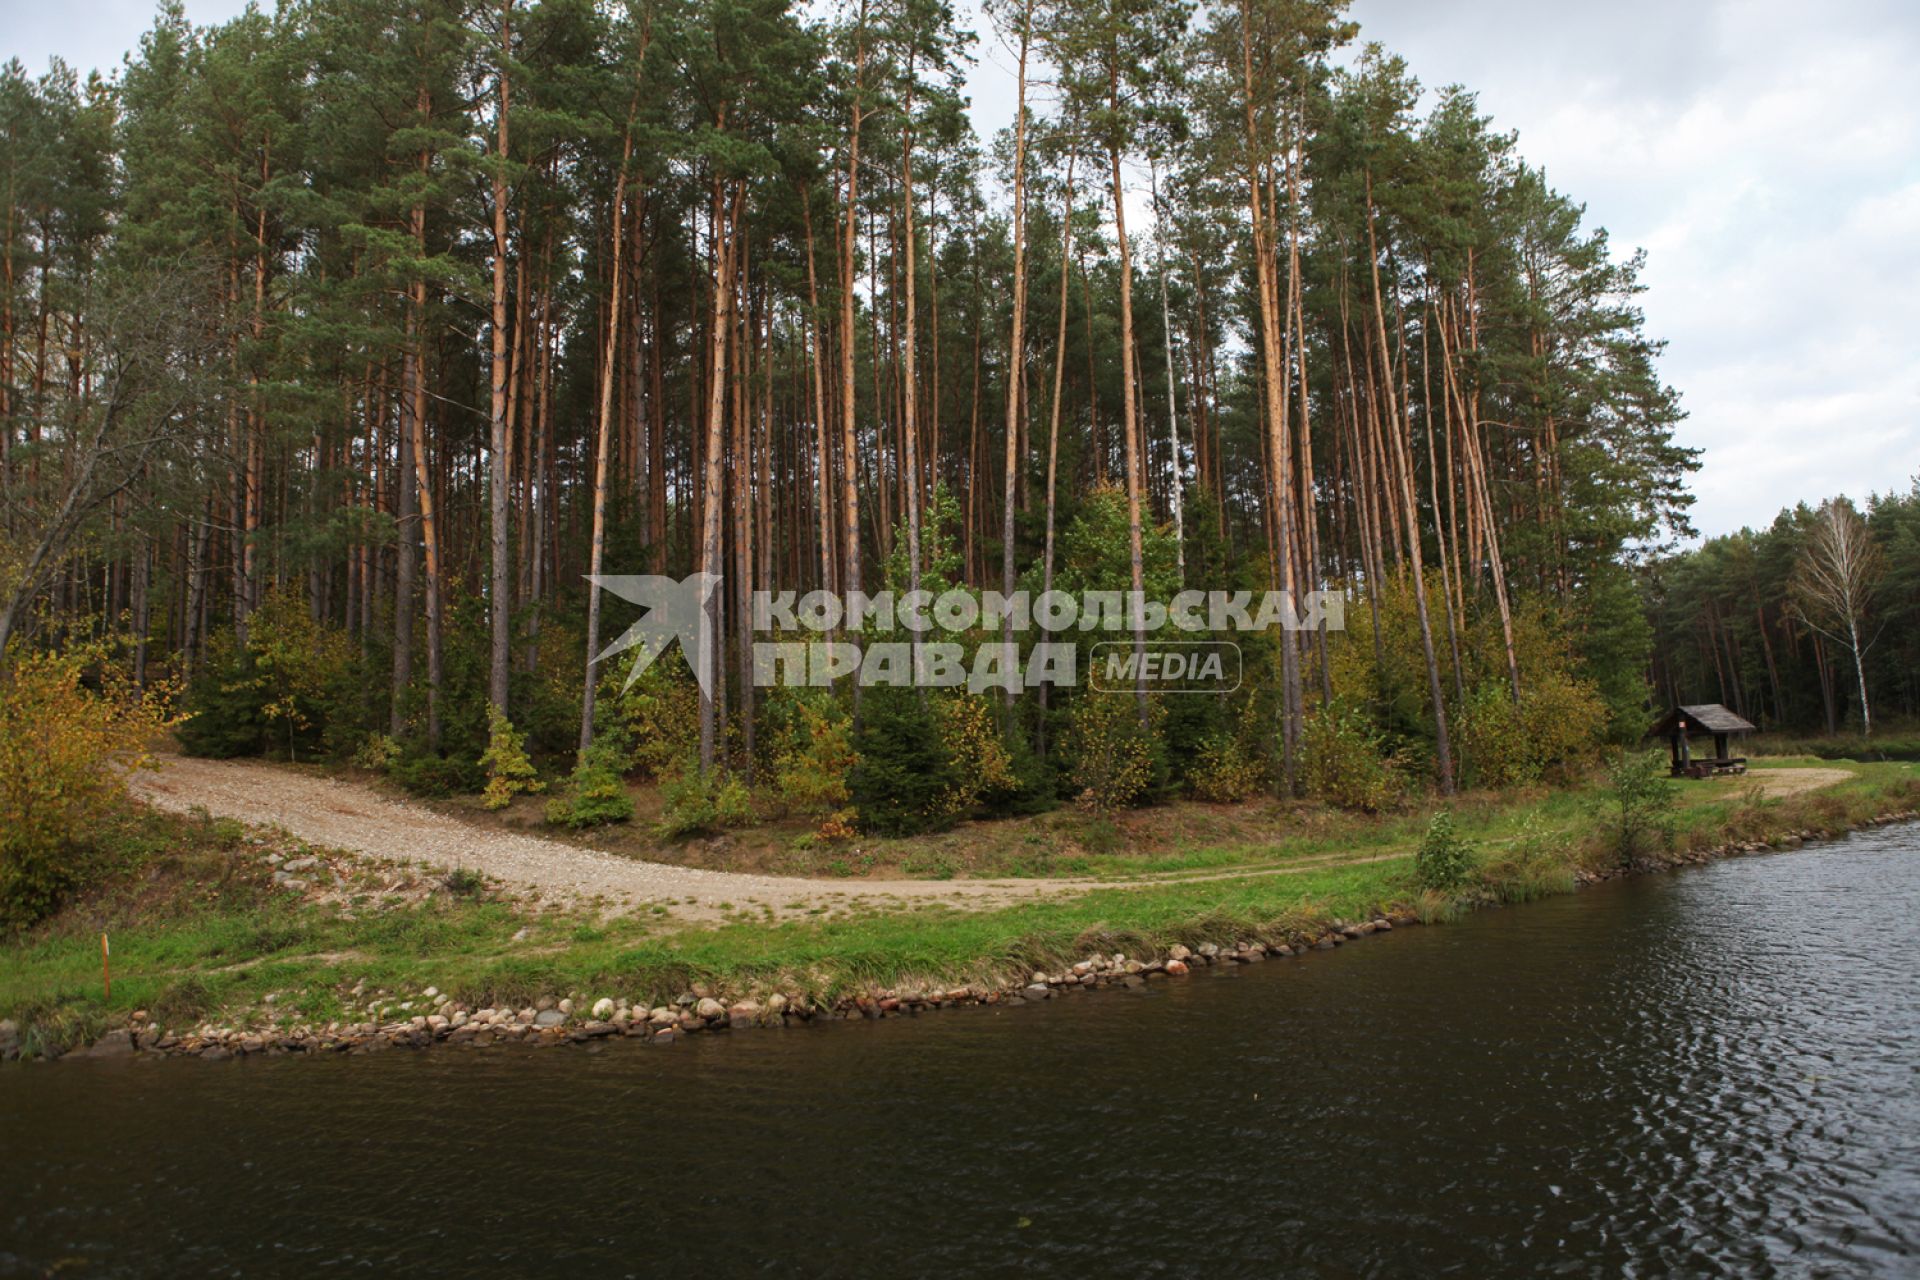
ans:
x=1897 y=742
x=1172 y=839
x=201 y=934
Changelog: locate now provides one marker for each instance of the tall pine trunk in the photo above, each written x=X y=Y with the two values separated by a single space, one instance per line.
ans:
x=603 y=435
x=500 y=610
x=1129 y=397
x=1442 y=745
x=1017 y=340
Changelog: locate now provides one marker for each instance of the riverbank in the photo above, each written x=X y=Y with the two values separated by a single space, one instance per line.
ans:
x=215 y=954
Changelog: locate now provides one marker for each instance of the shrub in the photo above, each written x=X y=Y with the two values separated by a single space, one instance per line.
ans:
x=1227 y=768
x=839 y=825
x=595 y=796
x=1558 y=719
x=464 y=882
x=505 y=760
x=223 y=705
x=1565 y=717
x=1116 y=758
x=1345 y=762
x=1035 y=787
x=65 y=750
x=904 y=773
x=659 y=715
x=1638 y=804
x=435 y=776
x=1531 y=867
x=812 y=775
x=981 y=764
x=1492 y=736
x=697 y=802
x=1101 y=835
x=378 y=752
x=1444 y=857
x=1583 y=650
x=281 y=689
x=596 y=791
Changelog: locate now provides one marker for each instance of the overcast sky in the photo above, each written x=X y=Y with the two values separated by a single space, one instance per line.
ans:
x=1765 y=153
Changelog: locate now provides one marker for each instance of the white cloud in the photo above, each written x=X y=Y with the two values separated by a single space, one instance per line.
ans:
x=1767 y=156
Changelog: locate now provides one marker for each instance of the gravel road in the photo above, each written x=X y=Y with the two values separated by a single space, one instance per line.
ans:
x=347 y=815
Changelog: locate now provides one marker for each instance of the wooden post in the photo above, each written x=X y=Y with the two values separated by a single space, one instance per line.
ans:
x=106 y=971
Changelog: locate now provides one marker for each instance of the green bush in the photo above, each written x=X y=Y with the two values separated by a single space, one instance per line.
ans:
x=1638 y=806
x=1444 y=857
x=437 y=777
x=1558 y=720
x=659 y=715
x=1491 y=735
x=1117 y=760
x=1228 y=768
x=464 y=882
x=1533 y=865
x=905 y=776
x=1346 y=763
x=595 y=795
x=811 y=774
x=982 y=766
x=1035 y=787
x=508 y=769
x=377 y=752
x=281 y=691
x=695 y=802
x=223 y=706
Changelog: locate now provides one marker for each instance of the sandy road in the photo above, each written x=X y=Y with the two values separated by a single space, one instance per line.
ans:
x=1775 y=783
x=347 y=815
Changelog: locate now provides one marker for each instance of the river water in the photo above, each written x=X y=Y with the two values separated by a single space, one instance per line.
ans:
x=1713 y=1072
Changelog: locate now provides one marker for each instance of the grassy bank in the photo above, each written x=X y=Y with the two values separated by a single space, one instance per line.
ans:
x=1898 y=742
x=202 y=933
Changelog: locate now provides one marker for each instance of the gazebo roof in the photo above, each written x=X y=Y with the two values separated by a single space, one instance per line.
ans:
x=1710 y=717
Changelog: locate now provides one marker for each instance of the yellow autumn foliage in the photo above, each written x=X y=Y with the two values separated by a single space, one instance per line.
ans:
x=72 y=727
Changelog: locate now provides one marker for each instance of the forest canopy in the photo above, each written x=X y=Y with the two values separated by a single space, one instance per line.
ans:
x=342 y=343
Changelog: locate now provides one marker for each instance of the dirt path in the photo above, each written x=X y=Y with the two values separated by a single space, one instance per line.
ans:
x=1791 y=782
x=346 y=815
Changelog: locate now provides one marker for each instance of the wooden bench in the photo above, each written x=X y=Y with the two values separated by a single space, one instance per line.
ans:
x=1710 y=768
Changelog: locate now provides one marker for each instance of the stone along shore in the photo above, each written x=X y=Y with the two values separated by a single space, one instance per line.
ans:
x=552 y=1022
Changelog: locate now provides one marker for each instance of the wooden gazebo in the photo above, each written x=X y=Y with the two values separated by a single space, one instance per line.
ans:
x=1682 y=724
